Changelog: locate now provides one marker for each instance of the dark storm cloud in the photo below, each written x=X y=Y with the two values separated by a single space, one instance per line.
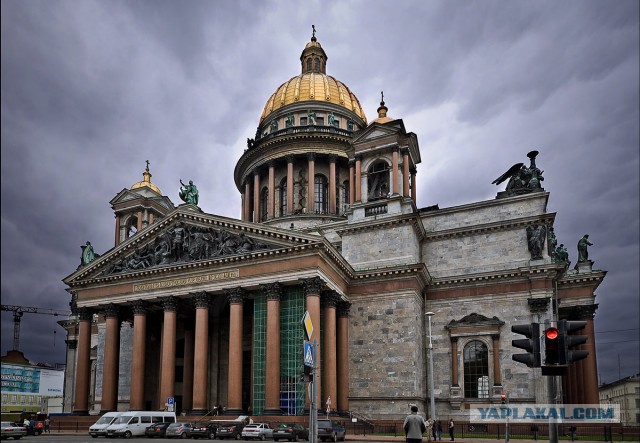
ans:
x=90 y=90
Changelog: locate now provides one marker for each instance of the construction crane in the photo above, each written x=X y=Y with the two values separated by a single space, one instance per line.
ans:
x=18 y=311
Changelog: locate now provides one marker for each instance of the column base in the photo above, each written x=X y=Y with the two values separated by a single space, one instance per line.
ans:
x=230 y=411
x=198 y=412
x=272 y=412
x=80 y=412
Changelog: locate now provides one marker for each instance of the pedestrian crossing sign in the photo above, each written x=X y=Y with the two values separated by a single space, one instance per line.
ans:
x=308 y=354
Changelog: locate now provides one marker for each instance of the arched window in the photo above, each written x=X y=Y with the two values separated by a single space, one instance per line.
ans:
x=476 y=370
x=264 y=199
x=283 y=197
x=345 y=198
x=132 y=226
x=320 y=194
x=316 y=65
x=378 y=181
x=309 y=61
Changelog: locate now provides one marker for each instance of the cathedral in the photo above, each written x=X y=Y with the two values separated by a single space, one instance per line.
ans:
x=197 y=311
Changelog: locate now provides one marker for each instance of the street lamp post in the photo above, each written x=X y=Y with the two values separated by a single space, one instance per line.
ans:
x=431 y=383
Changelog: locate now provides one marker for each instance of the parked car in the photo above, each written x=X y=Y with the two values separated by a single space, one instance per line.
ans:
x=178 y=430
x=291 y=432
x=204 y=430
x=260 y=431
x=12 y=430
x=156 y=430
x=331 y=430
x=230 y=430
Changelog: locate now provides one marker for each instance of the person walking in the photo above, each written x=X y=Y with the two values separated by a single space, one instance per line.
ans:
x=439 y=430
x=47 y=425
x=433 y=429
x=414 y=426
x=451 y=428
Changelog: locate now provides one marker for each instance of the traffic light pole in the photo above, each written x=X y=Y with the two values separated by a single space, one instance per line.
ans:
x=553 y=399
x=313 y=397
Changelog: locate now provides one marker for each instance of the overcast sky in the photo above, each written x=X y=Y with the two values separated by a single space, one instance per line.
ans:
x=90 y=90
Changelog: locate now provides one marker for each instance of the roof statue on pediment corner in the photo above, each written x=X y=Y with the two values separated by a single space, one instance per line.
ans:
x=475 y=319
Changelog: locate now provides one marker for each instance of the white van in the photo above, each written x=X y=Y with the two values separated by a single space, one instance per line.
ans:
x=99 y=428
x=134 y=423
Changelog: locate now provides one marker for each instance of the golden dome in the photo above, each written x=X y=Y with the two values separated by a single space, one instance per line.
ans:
x=382 y=113
x=313 y=84
x=146 y=181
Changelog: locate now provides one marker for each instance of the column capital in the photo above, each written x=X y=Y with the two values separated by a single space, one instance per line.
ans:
x=343 y=309
x=169 y=303
x=413 y=170
x=312 y=286
x=273 y=291
x=329 y=298
x=290 y=158
x=358 y=158
x=538 y=305
x=139 y=307
x=351 y=162
x=110 y=310
x=454 y=340
x=311 y=156
x=333 y=158
x=72 y=344
x=201 y=299
x=271 y=163
x=235 y=295
x=85 y=313
x=256 y=172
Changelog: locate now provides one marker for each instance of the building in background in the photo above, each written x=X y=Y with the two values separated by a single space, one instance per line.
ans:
x=198 y=310
x=626 y=394
x=26 y=387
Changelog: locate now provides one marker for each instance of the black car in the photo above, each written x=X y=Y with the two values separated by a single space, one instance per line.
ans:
x=204 y=430
x=230 y=430
x=331 y=430
x=157 y=430
x=291 y=432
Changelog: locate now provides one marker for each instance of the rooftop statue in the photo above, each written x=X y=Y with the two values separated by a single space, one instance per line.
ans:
x=88 y=254
x=189 y=193
x=583 y=253
x=522 y=179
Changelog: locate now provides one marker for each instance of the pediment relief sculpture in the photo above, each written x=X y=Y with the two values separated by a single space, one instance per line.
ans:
x=184 y=243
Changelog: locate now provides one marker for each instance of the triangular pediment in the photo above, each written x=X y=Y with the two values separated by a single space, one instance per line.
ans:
x=146 y=193
x=378 y=130
x=185 y=236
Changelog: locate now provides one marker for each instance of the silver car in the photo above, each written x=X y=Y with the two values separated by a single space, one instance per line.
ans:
x=179 y=430
x=13 y=430
x=261 y=431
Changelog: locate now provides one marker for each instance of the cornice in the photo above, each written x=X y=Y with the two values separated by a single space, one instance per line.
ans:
x=418 y=269
x=502 y=225
x=550 y=271
x=374 y=224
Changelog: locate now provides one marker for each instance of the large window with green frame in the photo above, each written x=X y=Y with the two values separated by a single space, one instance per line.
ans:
x=292 y=388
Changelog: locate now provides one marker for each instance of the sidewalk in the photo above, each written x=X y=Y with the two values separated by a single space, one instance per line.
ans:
x=384 y=438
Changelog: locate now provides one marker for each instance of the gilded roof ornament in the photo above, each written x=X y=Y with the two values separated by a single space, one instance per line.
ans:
x=146 y=180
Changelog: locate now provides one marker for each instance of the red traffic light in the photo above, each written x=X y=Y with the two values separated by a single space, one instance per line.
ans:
x=551 y=333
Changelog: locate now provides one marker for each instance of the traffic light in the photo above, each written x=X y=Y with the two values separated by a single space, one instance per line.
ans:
x=568 y=341
x=307 y=376
x=531 y=344
x=552 y=348
x=503 y=399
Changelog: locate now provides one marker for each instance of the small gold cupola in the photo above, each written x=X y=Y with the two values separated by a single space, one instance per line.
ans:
x=313 y=57
x=382 y=112
x=146 y=181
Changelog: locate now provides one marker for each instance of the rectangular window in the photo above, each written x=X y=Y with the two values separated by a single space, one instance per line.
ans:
x=145 y=419
x=303 y=121
x=637 y=402
x=259 y=352
x=320 y=121
x=14 y=398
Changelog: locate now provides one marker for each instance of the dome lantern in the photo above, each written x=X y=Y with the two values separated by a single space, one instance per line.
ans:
x=313 y=57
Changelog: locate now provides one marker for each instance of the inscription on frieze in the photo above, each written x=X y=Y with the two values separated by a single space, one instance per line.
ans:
x=197 y=279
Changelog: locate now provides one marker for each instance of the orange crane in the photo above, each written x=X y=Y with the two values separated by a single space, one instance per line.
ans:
x=18 y=311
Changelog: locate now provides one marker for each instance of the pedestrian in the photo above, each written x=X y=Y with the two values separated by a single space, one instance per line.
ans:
x=439 y=430
x=433 y=429
x=451 y=427
x=534 y=431
x=414 y=426
x=47 y=425
x=573 y=430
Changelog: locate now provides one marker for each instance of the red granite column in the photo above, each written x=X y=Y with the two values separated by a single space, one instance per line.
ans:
x=413 y=186
x=247 y=201
x=201 y=353
x=168 y=362
x=110 y=366
x=187 y=374
x=311 y=205
x=358 y=196
x=117 y=230
x=290 y=207
x=136 y=395
x=497 y=374
x=329 y=366
x=332 y=184
x=395 y=186
x=234 y=395
x=83 y=368
x=406 y=192
x=273 y=292
x=312 y=288
x=352 y=186
x=454 y=361
x=343 y=357
x=256 y=196
x=271 y=208
x=590 y=368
